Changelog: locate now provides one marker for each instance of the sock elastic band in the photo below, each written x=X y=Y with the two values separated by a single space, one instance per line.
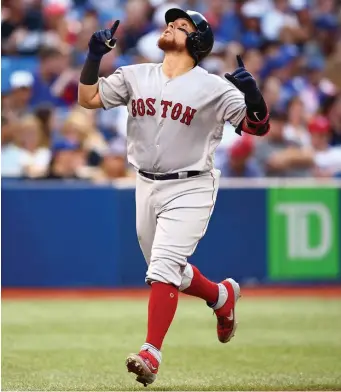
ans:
x=222 y=297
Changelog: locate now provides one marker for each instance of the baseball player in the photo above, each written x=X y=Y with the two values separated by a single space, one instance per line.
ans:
x=176 y=118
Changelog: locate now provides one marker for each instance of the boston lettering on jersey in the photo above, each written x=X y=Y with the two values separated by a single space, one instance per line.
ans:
x=146 y=107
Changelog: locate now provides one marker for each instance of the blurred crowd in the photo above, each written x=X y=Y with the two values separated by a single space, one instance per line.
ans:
x=292 y=48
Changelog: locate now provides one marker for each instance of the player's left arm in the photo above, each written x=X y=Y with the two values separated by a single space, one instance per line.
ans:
x=256 y=120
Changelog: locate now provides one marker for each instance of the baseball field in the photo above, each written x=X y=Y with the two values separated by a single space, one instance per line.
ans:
x=80 y=344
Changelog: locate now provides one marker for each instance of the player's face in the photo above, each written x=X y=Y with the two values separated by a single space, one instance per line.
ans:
x=173 y=39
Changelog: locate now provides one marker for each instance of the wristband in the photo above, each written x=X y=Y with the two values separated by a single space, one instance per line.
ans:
x=90 y=71
x=257 y=113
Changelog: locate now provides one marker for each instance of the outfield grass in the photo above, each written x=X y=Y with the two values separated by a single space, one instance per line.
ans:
x=292 y=344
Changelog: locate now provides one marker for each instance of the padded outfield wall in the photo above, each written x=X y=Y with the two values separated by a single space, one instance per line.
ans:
x=74 y=234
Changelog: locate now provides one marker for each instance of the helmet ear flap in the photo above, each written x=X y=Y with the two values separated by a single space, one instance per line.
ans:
x=193 y=45
x=196 y=40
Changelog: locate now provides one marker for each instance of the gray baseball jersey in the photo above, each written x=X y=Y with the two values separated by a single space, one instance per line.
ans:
x=174 y=124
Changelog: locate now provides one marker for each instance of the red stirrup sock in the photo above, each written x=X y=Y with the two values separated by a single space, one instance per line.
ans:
x=202 y=287
x=163 y=301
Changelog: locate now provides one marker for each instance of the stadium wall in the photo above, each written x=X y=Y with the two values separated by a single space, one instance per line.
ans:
x=78 y=235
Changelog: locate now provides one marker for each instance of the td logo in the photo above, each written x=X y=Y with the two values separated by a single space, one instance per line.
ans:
x=303 y=236
x=298 y=229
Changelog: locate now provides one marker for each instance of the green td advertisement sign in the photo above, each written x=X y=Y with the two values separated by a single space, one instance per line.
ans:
x=303 y=238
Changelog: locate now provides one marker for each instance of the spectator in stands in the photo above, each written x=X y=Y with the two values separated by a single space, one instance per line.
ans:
x=65 y=86
x=108 y=65
x=276 y=18
x=114 y=163
x=239 y=161
x=333 y=66
x=251 y=36
x=78 y=129
x=224 y=20
x=327 y=158
x=214 y=64
x=327 y=26
x=271 y=92
x=295 y=129
x=56 y=24
x=198 y=5
x=334 y=116
x=317 y=87
x=52 y=63
x=6 y=131
x=295 y=58
x=254 y=63
x=232 y=49
x=67 y=161
x=279 y=157
x=45 y=115
x=7 y=148
x=147 y=45
x=21 y=83
x=20 y=27
x=302 y=10
x=29 y=155
x=281 y=65
x=135 y=25
x=6 y=106
x=88 y=25
x=107 y=9
x=112 y=123
x=292 y=47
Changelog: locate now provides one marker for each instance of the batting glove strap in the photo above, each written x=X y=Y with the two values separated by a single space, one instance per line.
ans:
x=255 y=129
x=256 y=121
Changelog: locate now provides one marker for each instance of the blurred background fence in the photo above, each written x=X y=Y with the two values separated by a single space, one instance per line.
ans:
x=80 y=235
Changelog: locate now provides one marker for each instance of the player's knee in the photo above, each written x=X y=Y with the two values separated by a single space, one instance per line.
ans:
x=165 y=271
x=186 y=278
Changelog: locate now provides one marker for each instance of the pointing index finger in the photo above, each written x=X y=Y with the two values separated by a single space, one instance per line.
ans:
x=240 y=61
x=114 y=27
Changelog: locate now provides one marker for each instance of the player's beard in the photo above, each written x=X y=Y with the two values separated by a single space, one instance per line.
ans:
x=169 y=45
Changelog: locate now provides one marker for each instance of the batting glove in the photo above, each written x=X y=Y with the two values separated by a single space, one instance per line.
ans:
x=101 y=42
x=245 y=82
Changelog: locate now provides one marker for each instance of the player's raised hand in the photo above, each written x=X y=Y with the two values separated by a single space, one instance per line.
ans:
x=102 y=41
x=245 y=82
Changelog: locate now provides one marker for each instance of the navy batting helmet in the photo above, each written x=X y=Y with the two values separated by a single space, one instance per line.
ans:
x=199 y=43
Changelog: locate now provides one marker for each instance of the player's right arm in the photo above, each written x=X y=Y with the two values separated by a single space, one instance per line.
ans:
x=88 y=96
x=94 y=93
